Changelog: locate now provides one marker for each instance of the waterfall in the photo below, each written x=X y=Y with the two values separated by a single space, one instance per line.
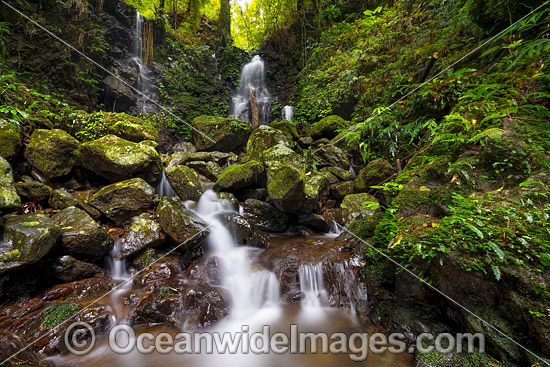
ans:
x=253 y=73
x=351 y=169
x=287 y=113
x=312 y=284
x=119 y=273
x=164 y=188
x=143 y=83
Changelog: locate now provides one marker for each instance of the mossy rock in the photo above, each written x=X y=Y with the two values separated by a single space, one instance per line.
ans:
x=341 y=189
x=373 y=174
x=219 y=133
x=123 y=200
x=265 y=216
x=29 y=238
x=8 y=193
x=10 y=140
x=118 y=159
x=239 y=176
x=60 y=199
x=340 y=173
x=281 y=154
x=81 y=235
x=185 y=182
x=210 y=170
x=327 y=127
x=328 y=155
x=354 y=203
x=438 y=359
x=285 y=126
x=144 y=232
x=130 y=127
x=285 y=188
x=181 y=224
x=316 y=185
x=52 y=152
x=263 y=138
x=228 y=200
x=34 y=191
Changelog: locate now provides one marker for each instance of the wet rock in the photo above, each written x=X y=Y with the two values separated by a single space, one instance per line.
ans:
x=118 y=91
x=373 y=174
x=315 y=221
x=316 y=186
x=18 y=350
x=27 y=239
x=285 y=187
x=61 y=199
x=239 y=176
x=52 y=152
x=81 y=235
x=181 y=158
x=242 y=231
x=146 y=258
x=265 y=216
x=185 y=147
x=330 y=155
x=286 y=127
x=181 y=224
x=68 y=269
x=129 y=127
x=263 y=138
x=118 y=159
x=8 y=194
x=342 y=174
x=280 y=154
x=340 y=190
x=144 y=232
x=258 y=194
x=327 y=127
x=331 y=178
x=185 y=182
x=228 y=200
x=210 y=170
x=124 y=200
x=224 y=134
x=34 y=191
x=10 y=140
x=207 y=271
x=159 y=269
x=354 y=203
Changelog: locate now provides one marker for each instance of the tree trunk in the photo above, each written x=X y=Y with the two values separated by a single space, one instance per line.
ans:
x=254 y=119
x=225 y=21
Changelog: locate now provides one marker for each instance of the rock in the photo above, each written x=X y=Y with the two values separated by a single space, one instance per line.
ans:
x=280 y=154
x=315 y=221
x=331 y=178
x=129 y=127
x=10 y=140
x=18 y=351
x=285 y=187
x=185 y=182
x=330 y=155
x=258 y=194
x=316 y=186
x=327 y=127
x=286 y=127
x=118 y=159
x=228 y=200
x=68 y=269
x=180 y=158
x=123 y=200
x=8 y=194
x=263 y=138
x=61 y=199
x=224 y=134
x=342 y=174
x=34 y=191
x=27 y=239
x=354 y=203
x=305 y=141
x=118 y=91
x=373 y=174
x=185 y=147
x=181 y=224
x=242 y=231
x=52 y=152
x=340 y=190
x=144 y=232
x=81 y=235
x=239 y=176
x=265 y=216
x=210 y=170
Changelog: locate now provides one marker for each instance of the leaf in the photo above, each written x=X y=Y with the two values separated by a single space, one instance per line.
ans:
x=496 y=272
x=396 y=241
x=498 y=251
x=424 y=188
x=474 y=229
x=525 y=183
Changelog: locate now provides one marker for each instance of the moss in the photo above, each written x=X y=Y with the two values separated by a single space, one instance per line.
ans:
x=239 y=176
x=58 y=313
x=167 y=291
x=8 y=194
x=373 y=174
x=263 y=138
x=327 y=127
x=285 y=126
x=316 y=185
x=280 y=154
x=224 y=134
x=185 y=182
x=354 y=203
x=284 y=180
x=10 y=140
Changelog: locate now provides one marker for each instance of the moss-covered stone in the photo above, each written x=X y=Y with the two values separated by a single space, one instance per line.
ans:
x=52 y=152
x=316 y=185
x=60 y=199
x=118 y=159
x=81 y=235
x=373 y=174
x=8 y=193
x=438 y=359
x=328 y=155
x=285 y=126
x=239 y=176
x=341 y=189
x=210 y=170
x=144 y=232
x=185 y=182
x=34 y=191
x=264 y=216
x=10 y=140
x=130 y=127
x=181 y=224
x=263 y=138
x=327 y=127
x=285 y=187
x=354 y=203
x=123 y=200
x=28 y=239
x=340 y=173
x=228 y=200
x=219 y=133
x=281 y=154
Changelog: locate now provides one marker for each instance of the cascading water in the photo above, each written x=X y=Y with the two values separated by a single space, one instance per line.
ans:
x=253 y=74
x=164 y=188
x=287 y=113
x=143 y=82
x=312 y=284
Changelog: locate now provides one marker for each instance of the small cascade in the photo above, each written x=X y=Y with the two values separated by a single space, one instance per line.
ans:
x=287 y=113
x=143 y=83
x=164 y=188
x=335 y=229
x=252 y=74
x=119 y=274
x=312 y=285
x=351 y=169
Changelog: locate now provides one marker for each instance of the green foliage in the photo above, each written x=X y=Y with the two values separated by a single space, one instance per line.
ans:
x=58 y=313
x=10 y=256
x=167 y=291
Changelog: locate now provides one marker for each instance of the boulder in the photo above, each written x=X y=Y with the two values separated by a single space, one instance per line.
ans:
x=181 y=224
x=118 y=159
x=144 y=232
x=239 y=176
x=243 y=232
x=354 y=203
x=180 y=158
x=340 y=173
x=185 y=182
x=123 y=200
x=327 y=127
x=27 y=239
x=329 y=155
x=228 y=200
x=10 y=140
x=264 y=216
x=286 y=127
x=8 y=194
x=81 y=235
x=34 y=191
x=263 y=138
x=219 y=133
x=210 y=170
x=281 y=154
x=258 y=194
x=316 y=222
x=60 y=199
x=68 y=269
x=119 y=92
x=341 y=189
x=285 y=187
x=373 y=174
x=129 y=127
x=52 y=152
x=316 y=186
